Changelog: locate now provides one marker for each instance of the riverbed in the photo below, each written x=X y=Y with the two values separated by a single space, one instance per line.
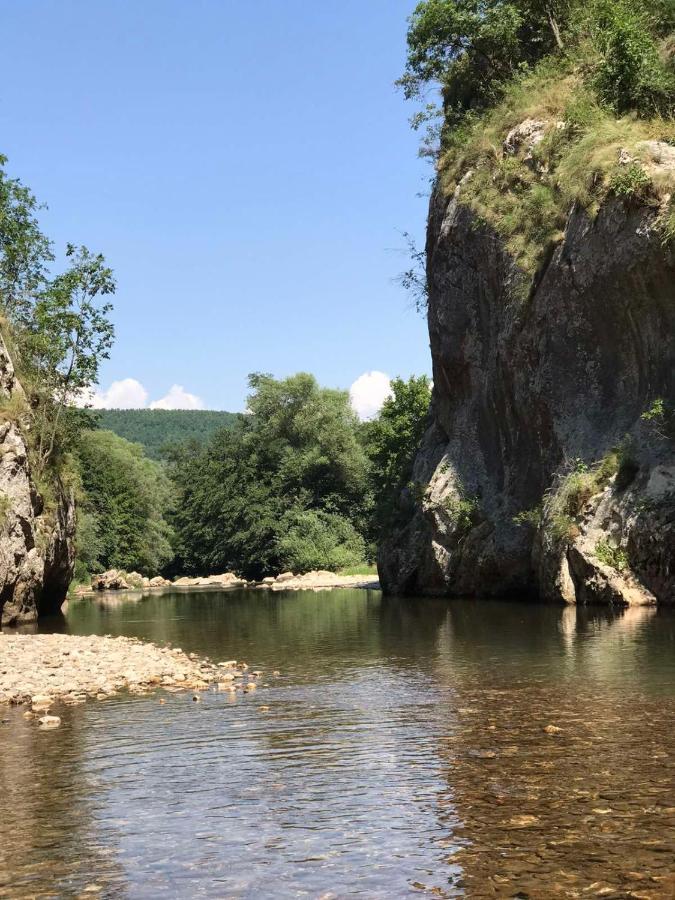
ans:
x=417 y=748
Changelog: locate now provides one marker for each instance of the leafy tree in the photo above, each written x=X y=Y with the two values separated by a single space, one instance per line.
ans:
x=65 y=340
x=631 y=73
x=25 y=252
x=314 y=539
x=471 y=48
x=392 y=440
x=125 y=505
x=306 y=435
x=258 y=494
x=58 y=329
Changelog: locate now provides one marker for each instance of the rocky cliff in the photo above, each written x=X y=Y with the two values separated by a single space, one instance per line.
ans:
x=36 y=544
x=541 y=474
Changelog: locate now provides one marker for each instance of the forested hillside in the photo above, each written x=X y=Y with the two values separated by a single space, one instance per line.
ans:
x=155 y=429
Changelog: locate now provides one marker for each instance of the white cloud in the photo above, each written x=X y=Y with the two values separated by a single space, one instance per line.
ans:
x=178 y=398
x=368 y=393
x=128 y=393
x=124 y=394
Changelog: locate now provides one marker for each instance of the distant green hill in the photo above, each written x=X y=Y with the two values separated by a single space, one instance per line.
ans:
x=156 y=428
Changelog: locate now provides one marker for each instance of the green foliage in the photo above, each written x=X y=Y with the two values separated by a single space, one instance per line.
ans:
x=14 y=408
x=630 y=73
x=314 y=539
x=157 y=430
x=25 y=253
x=57 y=329
x=667 y=223
x=616 y=557
x=289 y=474
x=463 y=512
x=414 y=279
x=473 y=48
x=563 y=506
x=65 y=340
x=631 y=182
x=5 y=506
x=365 y=569
x=90 y=543
x=599 y=75
x=531 y=517
x=391 y=442
x=126 y=500
x=576 y=162
x=660 y=418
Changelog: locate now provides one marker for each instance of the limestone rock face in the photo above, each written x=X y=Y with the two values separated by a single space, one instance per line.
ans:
x=527 y=388
x=36 y=548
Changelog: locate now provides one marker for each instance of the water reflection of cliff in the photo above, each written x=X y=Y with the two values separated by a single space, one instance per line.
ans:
x=560 y=752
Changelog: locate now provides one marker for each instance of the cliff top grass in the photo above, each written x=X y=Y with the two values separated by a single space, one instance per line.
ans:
x=594 y=81
x=586 y=153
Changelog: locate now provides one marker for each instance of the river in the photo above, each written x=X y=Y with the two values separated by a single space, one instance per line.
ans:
x=405 y=749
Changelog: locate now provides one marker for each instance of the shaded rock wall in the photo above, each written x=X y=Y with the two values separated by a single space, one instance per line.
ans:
x=36 y=547
x=524 y=390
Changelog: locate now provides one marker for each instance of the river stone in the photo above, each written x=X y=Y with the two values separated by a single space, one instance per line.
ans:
x=49 y=721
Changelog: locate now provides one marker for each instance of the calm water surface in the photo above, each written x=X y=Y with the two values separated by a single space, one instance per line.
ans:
x=402 y=752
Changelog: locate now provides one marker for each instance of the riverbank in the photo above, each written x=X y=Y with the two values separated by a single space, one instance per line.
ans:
x=317 y=580
x=41 y=669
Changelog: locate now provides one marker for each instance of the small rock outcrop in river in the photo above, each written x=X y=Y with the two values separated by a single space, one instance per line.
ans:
x=549 y=466
x=36 y=545
x=317 y=580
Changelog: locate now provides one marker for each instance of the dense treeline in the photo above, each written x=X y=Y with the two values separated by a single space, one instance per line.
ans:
x=125 y=507
x=156 y=430
x=297 y=484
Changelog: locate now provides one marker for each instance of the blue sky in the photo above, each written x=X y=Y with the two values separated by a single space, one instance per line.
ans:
x=247 y=168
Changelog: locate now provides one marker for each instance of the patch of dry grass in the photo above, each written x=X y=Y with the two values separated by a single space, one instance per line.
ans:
x=577 y=161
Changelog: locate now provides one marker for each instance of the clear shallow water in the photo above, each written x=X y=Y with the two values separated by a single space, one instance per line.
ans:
x=402 y=753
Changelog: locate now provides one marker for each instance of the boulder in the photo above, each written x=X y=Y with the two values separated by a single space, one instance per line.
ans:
x=112 y=580
x=158 y=581
x=285 y=576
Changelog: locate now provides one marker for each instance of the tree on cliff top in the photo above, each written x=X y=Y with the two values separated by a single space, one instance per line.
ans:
x=64 y=340
x=473 y=48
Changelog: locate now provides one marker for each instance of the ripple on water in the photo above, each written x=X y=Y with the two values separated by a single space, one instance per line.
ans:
x=404 y=750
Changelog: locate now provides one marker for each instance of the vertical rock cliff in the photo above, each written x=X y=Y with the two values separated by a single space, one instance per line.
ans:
x=549 y=467
x=36 y=545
